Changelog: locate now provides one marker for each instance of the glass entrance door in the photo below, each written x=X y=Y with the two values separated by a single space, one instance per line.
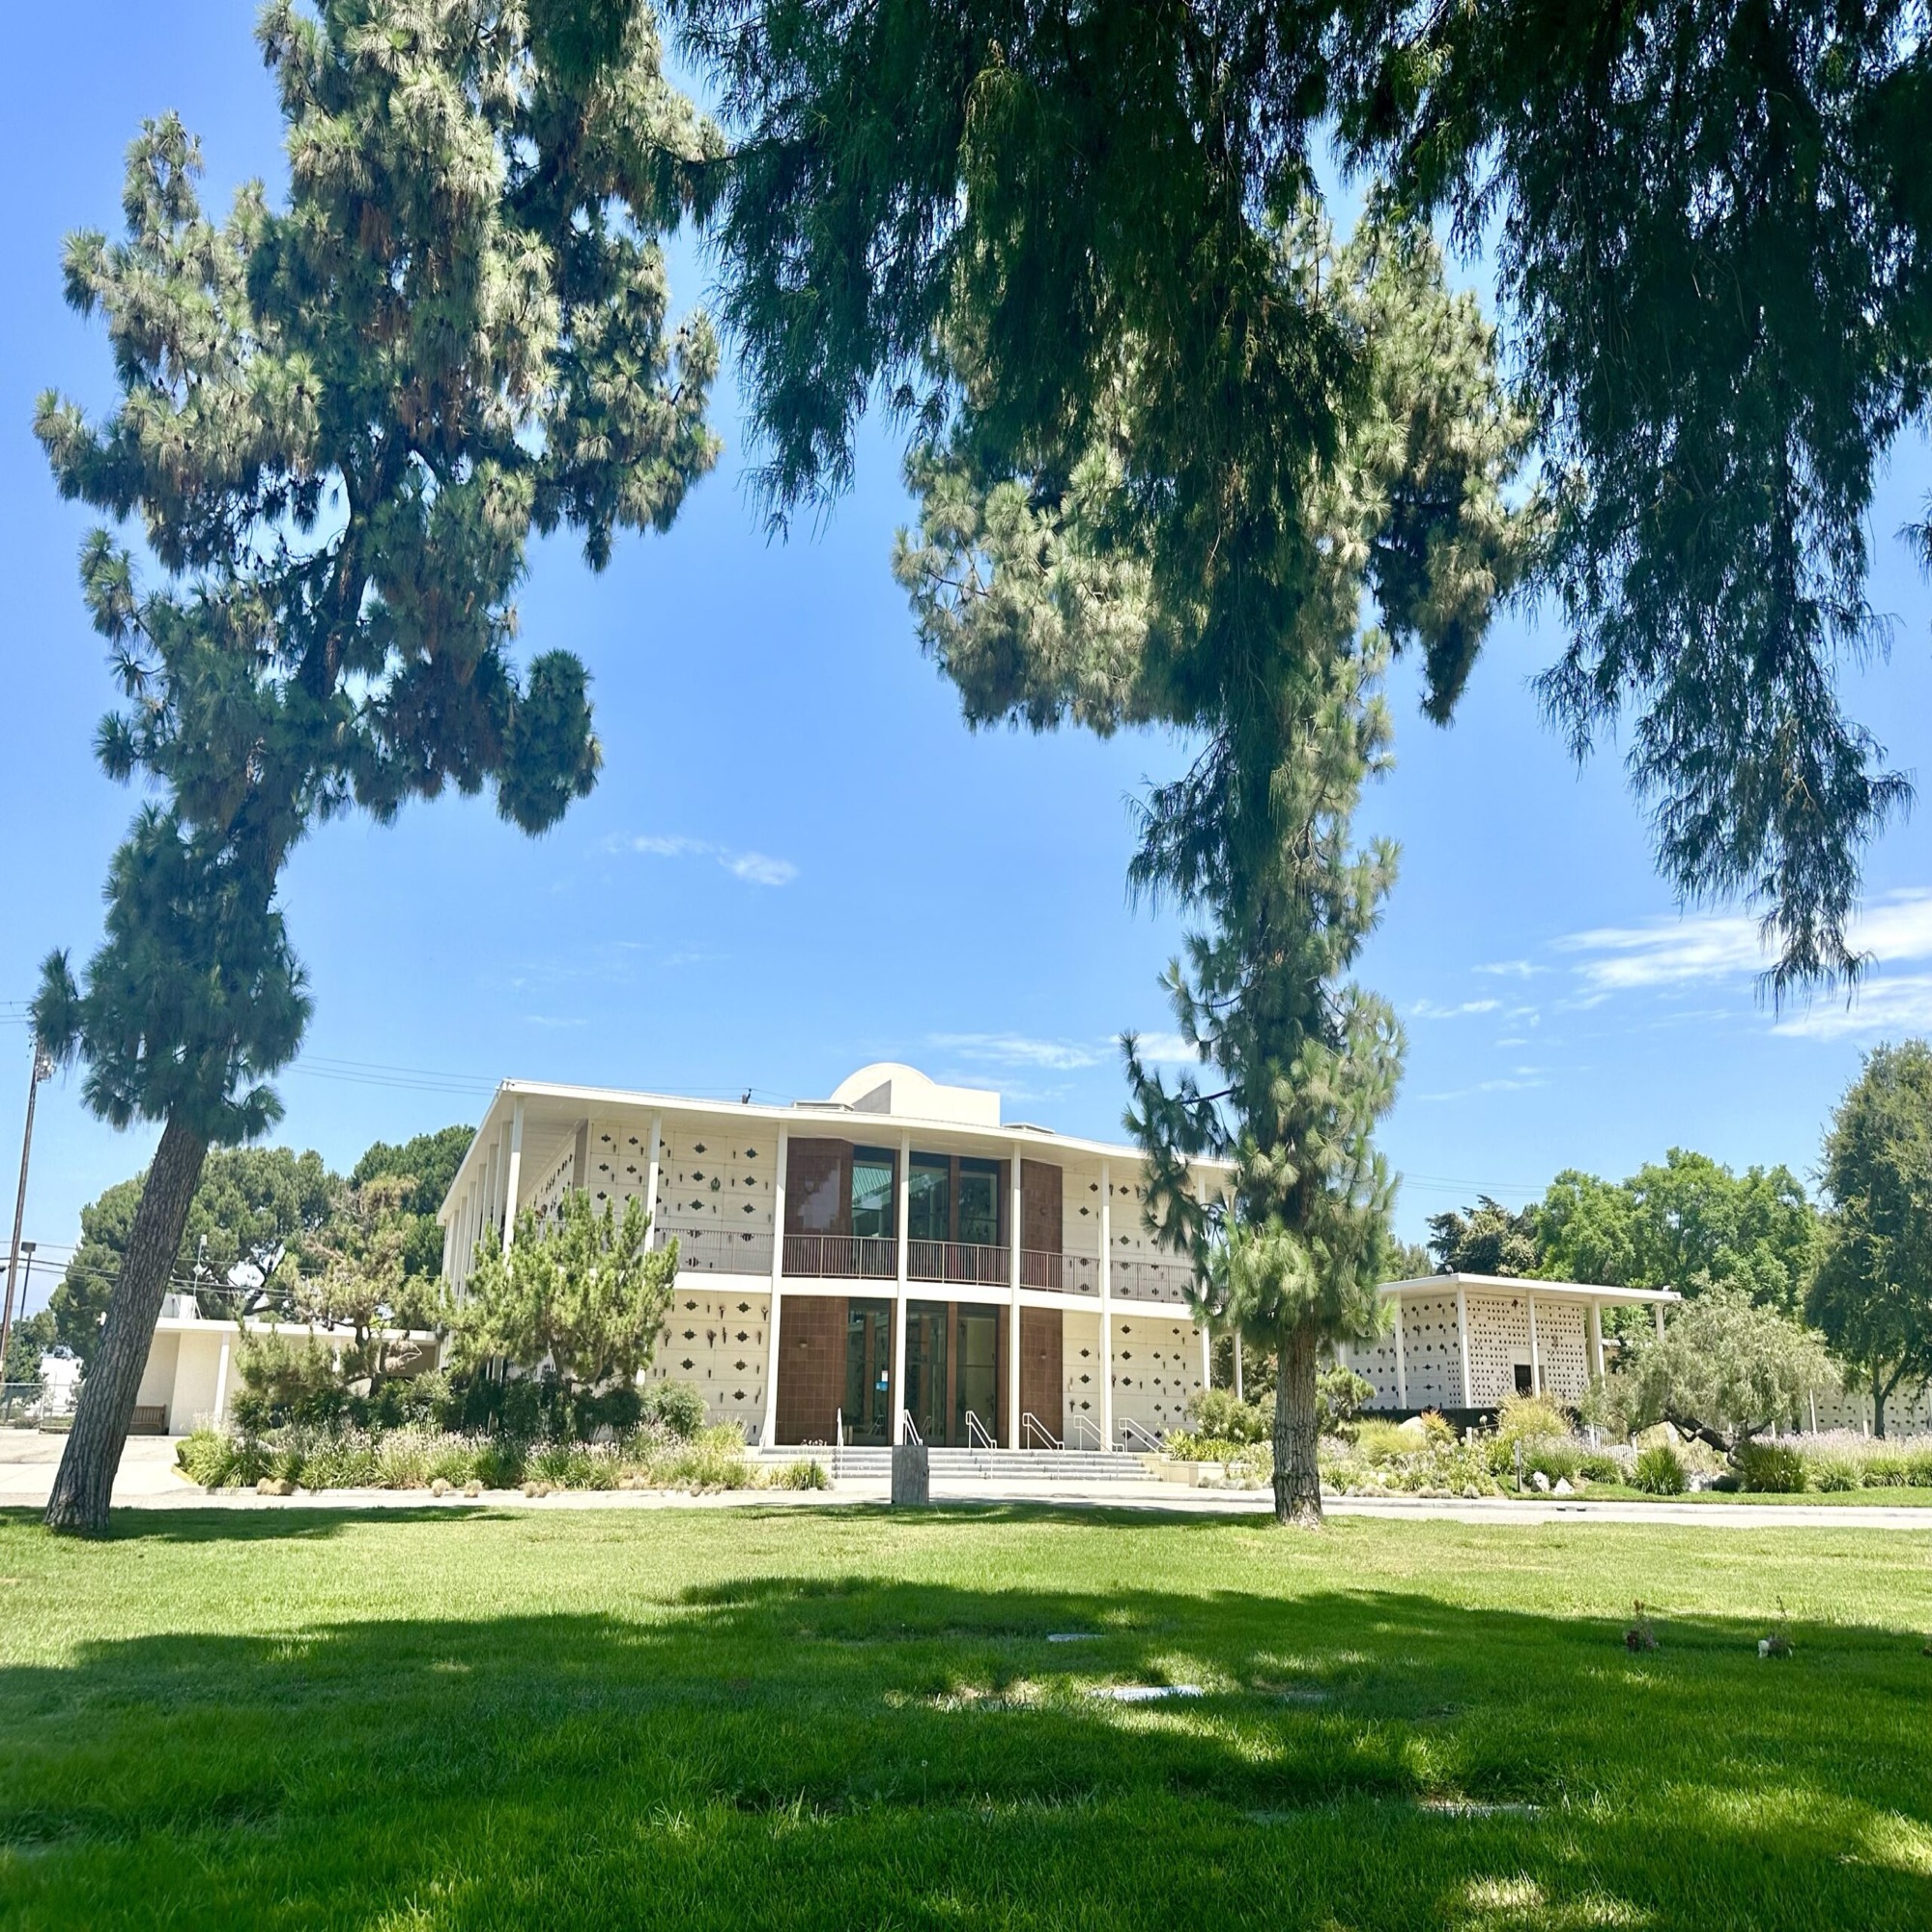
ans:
x=925 y=1369
x=977 y=1374
x=869 y=1371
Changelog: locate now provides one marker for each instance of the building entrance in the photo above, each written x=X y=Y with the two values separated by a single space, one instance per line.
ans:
x=869 y=1371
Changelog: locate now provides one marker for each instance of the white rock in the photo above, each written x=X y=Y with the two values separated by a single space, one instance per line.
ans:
x=1563 y=1488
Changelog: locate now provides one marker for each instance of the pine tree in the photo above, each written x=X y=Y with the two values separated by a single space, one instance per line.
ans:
x=339 y=424
x=1039 y=580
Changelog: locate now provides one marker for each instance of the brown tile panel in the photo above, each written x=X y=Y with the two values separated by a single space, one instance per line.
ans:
x=811 y=1366
x=1042 y=1391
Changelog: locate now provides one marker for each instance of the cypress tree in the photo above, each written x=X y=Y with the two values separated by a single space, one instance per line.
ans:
x=339 y=423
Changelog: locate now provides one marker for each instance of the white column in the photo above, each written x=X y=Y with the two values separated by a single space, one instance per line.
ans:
x=1535 y=1360
x=1239 y=1393
x=902 y=1275
x=1013 y=1320
x=1463 y=1342
x=450 y=1240
x=1106 y=1306
x=1206 y=1358
x=1656 y=1309
x=768 y=1430
x=1596 y=1339
x=221 y=1384
x=1400 y=1365
x=651 y=1176
x=513 y=1174
x=487 y=1204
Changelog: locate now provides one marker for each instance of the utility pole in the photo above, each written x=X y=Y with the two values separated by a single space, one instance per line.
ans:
x=43 y=1067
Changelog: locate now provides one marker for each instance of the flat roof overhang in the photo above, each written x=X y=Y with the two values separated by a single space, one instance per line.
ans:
x=1509 y=1283
x=557 y=1107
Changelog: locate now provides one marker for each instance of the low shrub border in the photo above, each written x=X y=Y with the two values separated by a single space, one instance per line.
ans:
x=416 y=1457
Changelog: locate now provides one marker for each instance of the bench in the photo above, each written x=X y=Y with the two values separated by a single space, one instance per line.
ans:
x=150 y=1419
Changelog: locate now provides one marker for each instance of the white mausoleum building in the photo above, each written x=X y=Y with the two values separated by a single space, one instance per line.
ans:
x=895 y=1256
x=1468 y=1342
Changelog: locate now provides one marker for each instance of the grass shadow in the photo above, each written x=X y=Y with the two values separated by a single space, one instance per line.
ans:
x=851 y=1748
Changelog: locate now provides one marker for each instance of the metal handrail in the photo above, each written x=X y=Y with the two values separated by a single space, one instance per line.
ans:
x=974 y=1264
x=1031 y=1425
x=841 y=1257
x=978 y=1435
x=911 y=1427
x=1150 y=1281
x=744 y=1251
x=838 y=1440
x=1133 y=1429
x=1085 y=1422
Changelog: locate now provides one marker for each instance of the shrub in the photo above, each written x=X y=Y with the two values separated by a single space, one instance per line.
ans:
x=342 y=1463
x=1338 y=1395
x=1559 y=1460
x=1188 y=1448
x=280 y=1381
x=404 y=1458
x=803 y=1474
x=1220 y=1417
x=1531 y=1418
x=1769 y=1468
x=676 y=1407
x=206 y=1457
x=1660 y=1472
x=1835 y=1474
x=499 y=1464
x=1375 y=1441
x=1600 y=1466
x=714 y=1459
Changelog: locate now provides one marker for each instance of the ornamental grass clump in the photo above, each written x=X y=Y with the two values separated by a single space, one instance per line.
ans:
x=1771 y=1468
x=1660 y=1472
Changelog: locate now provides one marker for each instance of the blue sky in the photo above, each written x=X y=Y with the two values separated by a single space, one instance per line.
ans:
x=798 y=860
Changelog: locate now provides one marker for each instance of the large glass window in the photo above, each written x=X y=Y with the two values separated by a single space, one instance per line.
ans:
x=929 y=1201
x=873 y=1194
x=979 y=1202
x=869 y=1367
x=976 y=1376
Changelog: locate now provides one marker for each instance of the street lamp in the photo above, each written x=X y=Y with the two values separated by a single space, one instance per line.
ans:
x=43 y=1067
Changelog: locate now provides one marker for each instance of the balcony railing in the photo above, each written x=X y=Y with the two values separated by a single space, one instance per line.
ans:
x=1061 y=1274
x=841 y=1257
x=972 y=1264
x=718 y=1250
x=1152 y=1281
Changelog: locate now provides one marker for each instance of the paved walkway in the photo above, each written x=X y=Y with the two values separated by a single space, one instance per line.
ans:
x=148 y=1480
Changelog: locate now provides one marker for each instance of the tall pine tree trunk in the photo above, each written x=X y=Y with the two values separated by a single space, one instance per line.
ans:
x=92 y=1455
x=1297 y=1476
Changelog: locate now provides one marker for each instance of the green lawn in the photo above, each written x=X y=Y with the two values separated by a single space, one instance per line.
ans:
x=840 y=1718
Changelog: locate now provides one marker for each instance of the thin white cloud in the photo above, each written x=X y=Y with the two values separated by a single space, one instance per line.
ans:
x=1430 y=1010
x=1167 y=1049
x=1894 y=1006
x=1727 y=946
x=1513 y=969
x=758 y=869
x=755 y=868
x=1012 y=1049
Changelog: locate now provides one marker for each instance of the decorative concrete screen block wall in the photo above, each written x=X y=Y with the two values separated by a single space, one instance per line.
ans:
x=1563 y=1349
x=558 y=1178
x=715 y=1193
x=1375 y=1363
x=1499 y=1340
x=1080 y=1358
x=716 y=1340
x=1909 y=1413
x=1432 y=1352
x=1156 y=1368
x=620 y=1159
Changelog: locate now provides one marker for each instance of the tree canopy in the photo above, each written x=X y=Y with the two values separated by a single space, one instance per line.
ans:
x=340 y=423
x=1488 y=1239
x=1708 y=225
x=1873 y=1292
x=582 y=1293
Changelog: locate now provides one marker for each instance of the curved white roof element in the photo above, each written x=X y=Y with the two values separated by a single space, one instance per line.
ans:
x=888 y=1086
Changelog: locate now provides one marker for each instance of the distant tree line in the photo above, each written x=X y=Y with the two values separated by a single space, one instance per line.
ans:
x=1852 y=1269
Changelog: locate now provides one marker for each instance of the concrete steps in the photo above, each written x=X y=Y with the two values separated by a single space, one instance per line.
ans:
x=1023 y=1465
